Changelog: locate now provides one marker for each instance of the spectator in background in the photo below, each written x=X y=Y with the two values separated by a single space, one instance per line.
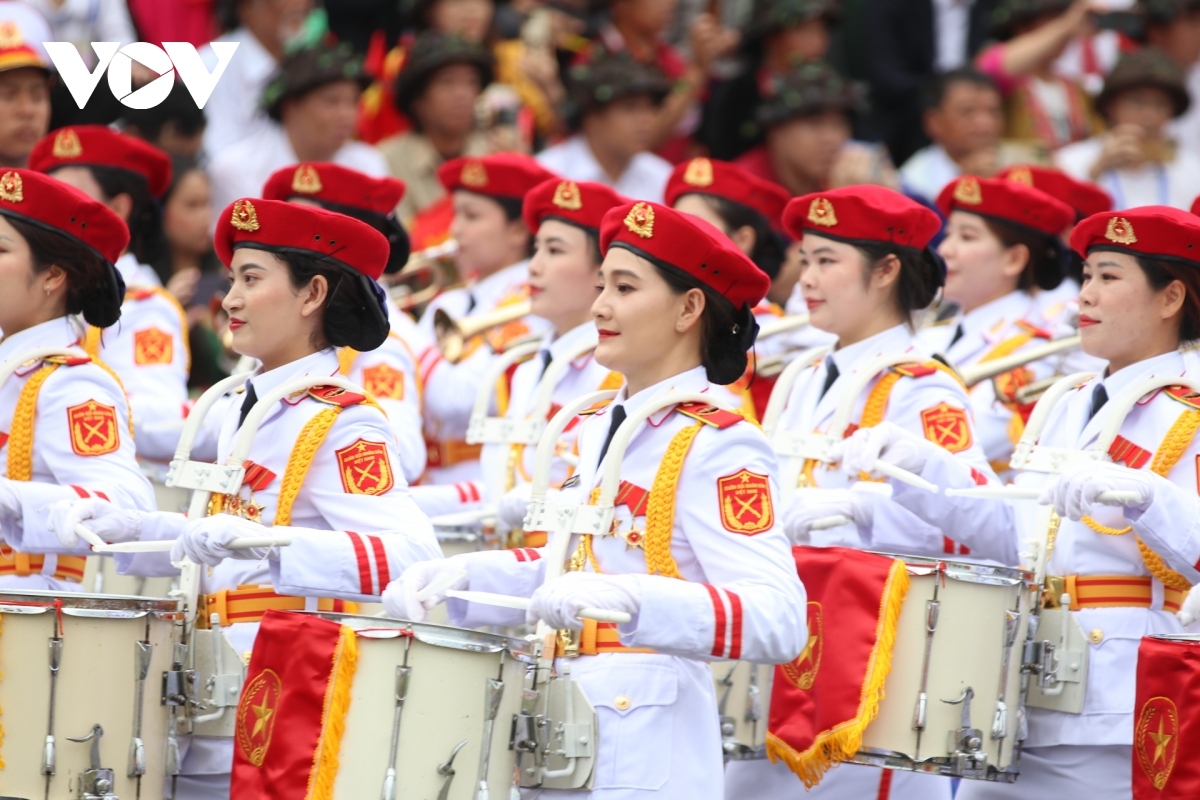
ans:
x=314 y=99
x=470 y=19
x=807 y=115
x=82 y=22
x=437 y=91
x=189 y=21
x=24 y=95
x=780 y=35
x=964 y=117
x=1173 y=27
x=190 y=269
x=1042 y=107
x=262 y=29
x=908 y=42
x=175 y=125
x=1135 y=161
x=615 y=104
x=636 y=28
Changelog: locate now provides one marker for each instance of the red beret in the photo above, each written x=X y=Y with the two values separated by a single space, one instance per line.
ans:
x=336 y=185
x=862 y=214
x=1152 y=231
x=1085 y=197
x=730 y=182
x=582 y=204
x=52 y=204
x=99 y=146
x=274 y=226
x=687 y=243
x=503 y=175
x=1006 y=201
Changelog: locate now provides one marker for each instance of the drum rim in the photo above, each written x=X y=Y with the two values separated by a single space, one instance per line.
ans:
x=437 y=635
x=88 y=600
x=968 y=571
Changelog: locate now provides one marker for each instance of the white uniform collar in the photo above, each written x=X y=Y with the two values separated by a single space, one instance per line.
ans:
x=694 y=380
x=58 y=332
x=323 y=362
x=128 y=266
x=1168 y=364
x=893 y=340
x=988 y=321
x=568 y=341
x=501 y=279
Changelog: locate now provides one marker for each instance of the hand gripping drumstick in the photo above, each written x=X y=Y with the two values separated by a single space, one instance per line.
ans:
x=237 y=543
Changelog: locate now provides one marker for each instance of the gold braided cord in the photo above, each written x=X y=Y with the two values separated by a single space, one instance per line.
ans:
x=877 y=401
x=20 y=439
x=1104 y=529
x=310 y=439
x=1169 y=452
x=1007 y=347
x=660 y=507
x=91 y=342
x=346 y=356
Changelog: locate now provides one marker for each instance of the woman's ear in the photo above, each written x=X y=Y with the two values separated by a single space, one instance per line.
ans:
x=1016 y=258
x=121 y=205
x=691 y=310
x=744 y=239
x=53 y=279
x=314 y=295
x=886 y=271
x=1171 y=299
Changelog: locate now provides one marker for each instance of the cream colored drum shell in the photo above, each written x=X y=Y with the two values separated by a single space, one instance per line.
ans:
x=100 y=576
x=95 y=685
x=967 y=651
x=444 y=706
x=749 y=735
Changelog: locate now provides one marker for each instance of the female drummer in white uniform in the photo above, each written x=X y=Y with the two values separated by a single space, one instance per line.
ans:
x=708 y=580
x=1140 y=300
x=1002 y=245
x=66 y=426
x=322 y=463
x=149 y=350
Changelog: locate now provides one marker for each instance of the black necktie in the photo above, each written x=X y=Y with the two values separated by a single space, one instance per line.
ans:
x=546 y=359
x=470 y=302
x=831 y=375
x=1099 y=398
x=618 y=416
x=958 y=334
x=248 y=403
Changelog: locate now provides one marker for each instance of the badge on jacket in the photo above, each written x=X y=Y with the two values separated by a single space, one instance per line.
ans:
x=365 y=468
x=152 y=346
x=745 y=499
x=93 y=429
x=946 y=426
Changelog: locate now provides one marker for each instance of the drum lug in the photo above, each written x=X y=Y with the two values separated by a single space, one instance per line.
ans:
x=966 y=743
x=137 y=748
x=49 y=759
x=401 y=695
x=447 y=770
x=97 y=782
x=495 y=691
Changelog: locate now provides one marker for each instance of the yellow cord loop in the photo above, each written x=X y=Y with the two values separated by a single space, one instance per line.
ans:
x=346 y=356
x=1176 y=443
x=660 y=506
x=1104 y=529
x=20 y=439
x=310 y=439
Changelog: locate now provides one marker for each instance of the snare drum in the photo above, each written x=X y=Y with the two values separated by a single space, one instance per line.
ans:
x=100 y=576
x=455 y=677
x=952 y=702
x=110 y=654
x=743 y=696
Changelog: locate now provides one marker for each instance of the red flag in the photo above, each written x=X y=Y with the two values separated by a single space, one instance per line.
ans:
x=1166 y=729
x=292 y=712
x=823 y=701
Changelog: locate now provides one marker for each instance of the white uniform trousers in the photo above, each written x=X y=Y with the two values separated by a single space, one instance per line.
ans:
x=1095 y=772
x=762 y=780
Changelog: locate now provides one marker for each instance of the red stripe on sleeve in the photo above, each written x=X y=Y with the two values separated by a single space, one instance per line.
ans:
x=533 y=554
x=947 y=545
x=381 y=562
x=82 y=492
x=103 y=497
x=519 y=555
x=735 y=604
x=474 y=490
x=462 y=495
x=979 y=478
x=364 y=564
x=719 y=621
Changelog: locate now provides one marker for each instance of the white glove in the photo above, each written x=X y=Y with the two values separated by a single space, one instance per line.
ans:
x=808 y=506
x=1190 y=612
x=1075 y=494
x=886 y=442
x=111 y=523
x=204 y=540
x=510 y=511
x=559 y=602
x=400 y=597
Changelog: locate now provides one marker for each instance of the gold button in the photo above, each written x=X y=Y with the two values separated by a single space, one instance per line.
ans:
x=1096 y=636
x=622 y=702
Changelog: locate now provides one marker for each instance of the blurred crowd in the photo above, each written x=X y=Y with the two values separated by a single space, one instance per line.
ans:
x=808 y=94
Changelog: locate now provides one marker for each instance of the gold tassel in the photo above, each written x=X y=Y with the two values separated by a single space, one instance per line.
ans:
x=333 y=717
x=20 y=439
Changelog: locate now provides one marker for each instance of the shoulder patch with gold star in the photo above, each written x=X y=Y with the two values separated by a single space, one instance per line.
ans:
x=947 y=427
x=152 y=346
x=365 y=468
x=94 y=429
x=745 y=501
x=383 y=381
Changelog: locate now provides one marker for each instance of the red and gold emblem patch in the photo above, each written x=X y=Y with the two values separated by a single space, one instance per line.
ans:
x=566 y=196
x=640 y=220
x=365 y=468
x=306 y=180
x=803 y=671
x=152 y=346
x=699 y=172
x=745 y=499
x=474 y=174
x=67 y=144
x=256 y=716
x=968 y=191
x=12 y=188
x=820 y=212
x=384 y=381
x=93 y=429
x=244 y=216
x=1120 y=231
x=946 y=426
x=1156 y=739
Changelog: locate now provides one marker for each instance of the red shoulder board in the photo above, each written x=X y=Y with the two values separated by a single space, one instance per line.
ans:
x=140 y=293
x=335 y=396
x=710 y=415
x=1034 y=330
x=68 y=361
x=1126 y=452
x=1185 y=395
x=915 y=370
x=595 y=408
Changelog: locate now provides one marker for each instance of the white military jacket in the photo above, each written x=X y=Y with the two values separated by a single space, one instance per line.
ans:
x=1007 y=325
x=148 y=349
x=930 y=403
x=81 y=445
x=450 y=389
x=1169 y=527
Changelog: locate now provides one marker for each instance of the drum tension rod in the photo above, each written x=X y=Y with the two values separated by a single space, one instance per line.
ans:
x=403 y=671
x=49 y=756
x=137 y=748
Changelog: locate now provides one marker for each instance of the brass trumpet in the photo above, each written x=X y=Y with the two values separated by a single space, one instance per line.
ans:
x=784 y=324
x=432 y=266
x=976 y=373
x=453 y=335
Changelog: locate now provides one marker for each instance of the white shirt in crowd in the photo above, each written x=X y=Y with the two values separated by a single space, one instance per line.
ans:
x=233 y=111
x=1173 y=184
x=951 y=25
x=644 y=179
x=927 y=171
x=82 y=22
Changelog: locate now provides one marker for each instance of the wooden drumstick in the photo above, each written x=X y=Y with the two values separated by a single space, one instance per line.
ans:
x=522 y=604
x=1110 y=498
